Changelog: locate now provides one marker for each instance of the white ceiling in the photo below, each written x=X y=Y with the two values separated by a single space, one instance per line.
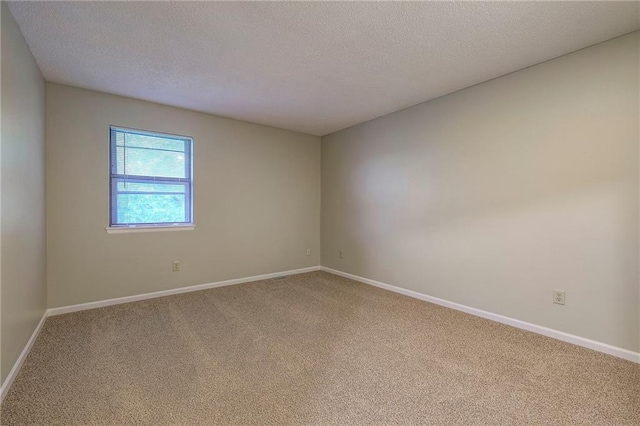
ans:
x=314 y=67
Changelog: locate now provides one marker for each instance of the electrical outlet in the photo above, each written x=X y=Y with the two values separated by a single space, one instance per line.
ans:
x=558 y=297
x=341 y=254
x=308 y=252
x=175 y=267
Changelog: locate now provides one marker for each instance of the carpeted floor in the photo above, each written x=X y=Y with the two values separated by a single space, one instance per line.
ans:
x=309 y=349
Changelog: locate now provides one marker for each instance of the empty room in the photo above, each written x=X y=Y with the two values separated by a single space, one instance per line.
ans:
x=320 y=213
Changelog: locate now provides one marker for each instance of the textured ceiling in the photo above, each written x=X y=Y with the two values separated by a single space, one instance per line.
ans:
x=314 y=67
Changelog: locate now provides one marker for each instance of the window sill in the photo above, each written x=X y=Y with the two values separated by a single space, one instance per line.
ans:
x=134 y=229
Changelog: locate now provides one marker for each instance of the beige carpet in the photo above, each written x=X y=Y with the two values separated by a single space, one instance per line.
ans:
x=309 y=349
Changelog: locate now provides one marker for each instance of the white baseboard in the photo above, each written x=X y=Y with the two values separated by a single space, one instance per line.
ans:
x=549 y=332
x=4 y=389
x=137 y=297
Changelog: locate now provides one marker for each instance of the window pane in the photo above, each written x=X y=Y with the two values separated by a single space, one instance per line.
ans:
x=128 y=186
x=149 y=141
x=157 y=187
x=151 y=208
x=150 y=162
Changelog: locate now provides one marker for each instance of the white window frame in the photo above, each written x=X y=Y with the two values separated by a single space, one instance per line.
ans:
x=114 y=178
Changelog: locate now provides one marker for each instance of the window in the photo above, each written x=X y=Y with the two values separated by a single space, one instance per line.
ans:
x=150 y=179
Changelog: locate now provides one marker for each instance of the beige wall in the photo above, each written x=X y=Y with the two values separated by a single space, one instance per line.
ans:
x=256 y=201
x=497 y=194
x=22 y=270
